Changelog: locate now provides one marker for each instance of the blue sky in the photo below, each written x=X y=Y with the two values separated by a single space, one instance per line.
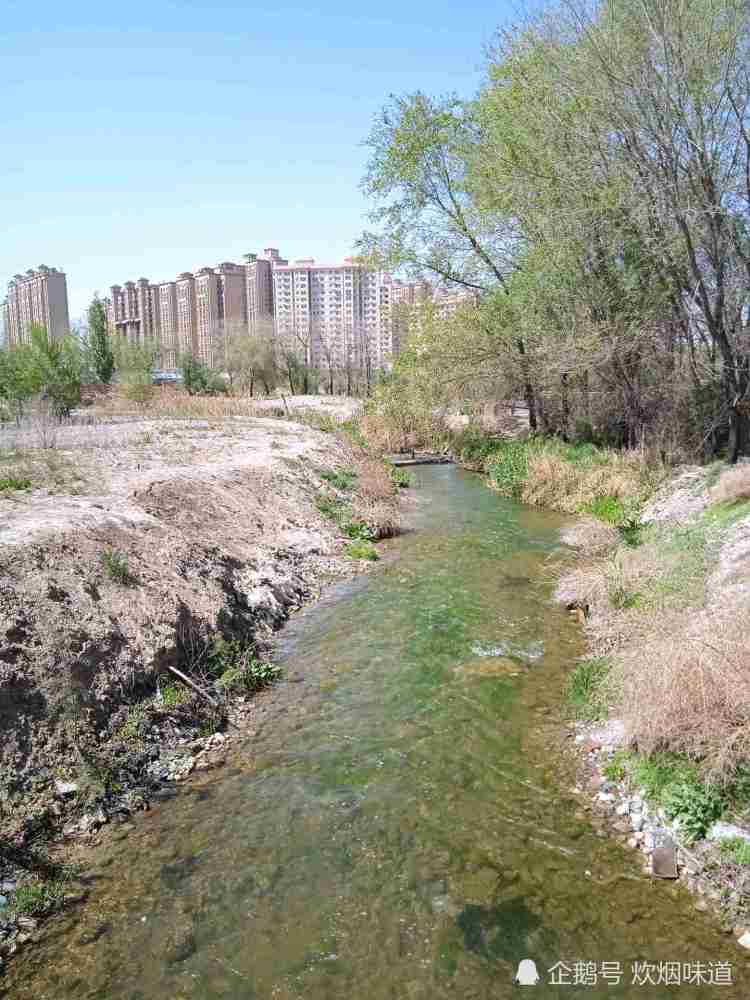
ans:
x=144 y=139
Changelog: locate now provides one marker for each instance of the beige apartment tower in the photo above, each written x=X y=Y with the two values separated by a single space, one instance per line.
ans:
x=38 y=297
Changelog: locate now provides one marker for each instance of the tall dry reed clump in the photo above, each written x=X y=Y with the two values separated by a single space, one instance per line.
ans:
x=390 y=434
x=733 y=485
x=689 y=690
x=560 y=480
x=167 y=401
x=375 y=500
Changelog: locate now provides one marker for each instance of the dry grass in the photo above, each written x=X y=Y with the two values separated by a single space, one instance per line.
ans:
x=733 y=485
x=387 y=434
x=375 y=498
x=687 y=689
x=556 y=482
x=590 y=536
x=168 y=401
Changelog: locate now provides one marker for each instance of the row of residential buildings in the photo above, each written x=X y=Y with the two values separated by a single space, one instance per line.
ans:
x=330 y=316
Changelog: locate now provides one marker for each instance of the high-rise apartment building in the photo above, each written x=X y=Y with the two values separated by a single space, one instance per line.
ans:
x=333 y=316
x=447 y=302
x=37 y=297
x=221 y=310
x=330 y=316
x=133 y=310
x=170 y=346
x=187 y=326
x=259 y=293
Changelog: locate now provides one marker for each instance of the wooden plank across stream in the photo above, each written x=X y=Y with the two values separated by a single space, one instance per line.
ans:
x=418 y=458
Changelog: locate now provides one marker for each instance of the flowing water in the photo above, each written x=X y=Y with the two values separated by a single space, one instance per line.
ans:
x=403 y=825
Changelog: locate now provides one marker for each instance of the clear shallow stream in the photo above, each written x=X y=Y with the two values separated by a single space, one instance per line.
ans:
x=402 y=827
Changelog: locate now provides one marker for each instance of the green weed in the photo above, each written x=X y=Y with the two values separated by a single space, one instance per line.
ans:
x=36 y=898
x=341 y=479
x=616 y=768
x=236 y=668
x=115 y=565
x=135 y=726
x=361 y=549
x=735 y=849
x=401 y=478
x=610 y=509
x=330 y=506
x=586 y=691
x=675 y=783
x=358 y=531
x=10 y=483
x=508 y=467
x=174 y=695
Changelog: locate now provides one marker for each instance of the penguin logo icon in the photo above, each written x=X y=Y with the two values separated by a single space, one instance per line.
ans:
x=527 y=974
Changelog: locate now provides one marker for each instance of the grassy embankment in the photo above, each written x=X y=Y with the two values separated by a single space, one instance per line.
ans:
x=668 y=638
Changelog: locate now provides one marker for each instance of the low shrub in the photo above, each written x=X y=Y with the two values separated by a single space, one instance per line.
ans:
x=675 y=783
x=695 y=806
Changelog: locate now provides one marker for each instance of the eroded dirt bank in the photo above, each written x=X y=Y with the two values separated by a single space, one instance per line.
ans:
x=102 y=593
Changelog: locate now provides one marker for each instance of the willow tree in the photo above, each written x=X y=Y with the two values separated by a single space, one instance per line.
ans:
x=427 y=217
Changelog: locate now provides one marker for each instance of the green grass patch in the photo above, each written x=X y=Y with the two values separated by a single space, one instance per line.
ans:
x=616 y=768
x=358 y=531
x=115 y=566
x=610 y=509
x=400 y=477
x=675 y=783
x=340 y=479
x=36 y=898
x=236 y=669
x=586 y=691
x=174 y=695
x=135 y=726
x=9 y=484
x=331 y=507
x=735 y=849
x=722 y=515
x=361 y=549
x=508 y=466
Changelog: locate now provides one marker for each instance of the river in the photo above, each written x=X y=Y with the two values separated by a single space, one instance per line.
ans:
x=403 y=825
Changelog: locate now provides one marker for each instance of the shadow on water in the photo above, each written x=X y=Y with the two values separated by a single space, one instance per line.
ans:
x=401 y=825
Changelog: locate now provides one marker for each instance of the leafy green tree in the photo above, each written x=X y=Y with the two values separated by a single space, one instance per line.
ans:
x=100 y=355
x=200 y=380
x=41 y=366
x=134 y=363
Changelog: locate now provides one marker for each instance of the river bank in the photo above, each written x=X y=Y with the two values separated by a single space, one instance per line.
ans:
x=398 y=824
x=660 y=703
x=661 y=697
x=183 y=549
